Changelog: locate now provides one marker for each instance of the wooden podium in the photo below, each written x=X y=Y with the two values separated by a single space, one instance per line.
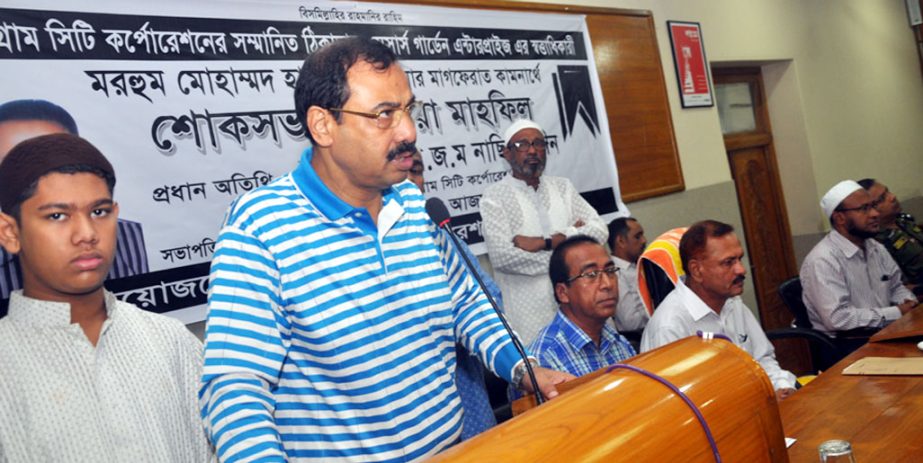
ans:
x=623 y=415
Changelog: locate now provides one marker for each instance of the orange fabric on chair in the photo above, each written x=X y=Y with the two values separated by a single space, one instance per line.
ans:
x=664 y=253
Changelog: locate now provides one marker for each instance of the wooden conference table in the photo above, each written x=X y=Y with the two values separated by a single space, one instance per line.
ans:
x=882 y=416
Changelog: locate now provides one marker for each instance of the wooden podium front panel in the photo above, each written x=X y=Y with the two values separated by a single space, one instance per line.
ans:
x=625 y=416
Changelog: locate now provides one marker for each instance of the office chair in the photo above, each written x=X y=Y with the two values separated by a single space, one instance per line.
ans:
x=825 y=351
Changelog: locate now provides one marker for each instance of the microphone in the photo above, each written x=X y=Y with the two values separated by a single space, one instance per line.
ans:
x=440 y=215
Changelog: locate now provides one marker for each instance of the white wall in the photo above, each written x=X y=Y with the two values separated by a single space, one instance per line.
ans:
x=843 y=82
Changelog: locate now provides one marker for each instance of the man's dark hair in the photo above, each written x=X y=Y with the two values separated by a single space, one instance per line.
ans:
x=867 y=182
x=322 y=81
x=618 y=227
x=693 y=242
x=557 y=266
x=37 y=110
x=32 y=159
x=16 y=208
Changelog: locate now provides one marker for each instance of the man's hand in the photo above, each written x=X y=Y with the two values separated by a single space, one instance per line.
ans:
x=905 y=306
x=557 y=239
x=784 y=392
x=547 y=380
x=529 y=243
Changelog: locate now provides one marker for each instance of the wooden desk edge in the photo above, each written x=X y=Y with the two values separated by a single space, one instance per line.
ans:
x=528 y=402
x=908 y=326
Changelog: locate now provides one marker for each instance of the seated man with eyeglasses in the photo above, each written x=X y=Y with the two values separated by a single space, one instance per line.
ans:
x=899 y=233
x=849 y=279
x=579 y=340
x=707 y=299
x=525 y=216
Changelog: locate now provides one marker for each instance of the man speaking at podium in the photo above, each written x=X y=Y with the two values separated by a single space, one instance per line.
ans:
x=335 y=303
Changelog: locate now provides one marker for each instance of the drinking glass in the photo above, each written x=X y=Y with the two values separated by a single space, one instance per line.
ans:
x=836 y=451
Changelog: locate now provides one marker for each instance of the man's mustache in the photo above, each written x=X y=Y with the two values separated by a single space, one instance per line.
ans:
x=405 y=147
x=739 y=279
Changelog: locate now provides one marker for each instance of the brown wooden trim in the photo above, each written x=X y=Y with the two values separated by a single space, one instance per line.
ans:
x=654 y=192
x=508 y=5
x=746 y=140
x=761 y=136
x=918 y=35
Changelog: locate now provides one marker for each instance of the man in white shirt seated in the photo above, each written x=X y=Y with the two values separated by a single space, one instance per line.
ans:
x=627 y=243
x=86 y=377
x=707 y=299
x=850 y=280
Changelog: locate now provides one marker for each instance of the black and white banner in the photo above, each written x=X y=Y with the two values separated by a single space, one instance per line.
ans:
x=193 y=104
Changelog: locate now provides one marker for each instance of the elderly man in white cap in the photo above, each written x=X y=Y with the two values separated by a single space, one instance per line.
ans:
x=850 y=281
x=525 y=216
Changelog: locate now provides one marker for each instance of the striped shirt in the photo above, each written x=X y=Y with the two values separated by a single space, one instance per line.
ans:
x=563 y=346
x=331 y=337
x=130 y=259
x=846 y=287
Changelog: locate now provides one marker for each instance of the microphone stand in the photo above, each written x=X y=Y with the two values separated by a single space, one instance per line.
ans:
x=522 y=352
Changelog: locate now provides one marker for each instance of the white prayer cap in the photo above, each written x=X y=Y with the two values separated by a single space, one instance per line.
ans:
x=837 y=194
x=517 y=126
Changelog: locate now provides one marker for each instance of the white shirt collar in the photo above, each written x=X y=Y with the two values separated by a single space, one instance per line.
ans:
x=692 y=302
x=622 y=264
x=843 y=244
x=35 y=312
x=521 y=184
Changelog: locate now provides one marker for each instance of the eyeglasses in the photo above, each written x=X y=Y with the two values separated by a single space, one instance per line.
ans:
x=593 y=275
x=865 y=208
x=386 y=118
x=877 y=201
x=521 y=146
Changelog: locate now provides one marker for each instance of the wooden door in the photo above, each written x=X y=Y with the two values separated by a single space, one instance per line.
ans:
x=748 y=141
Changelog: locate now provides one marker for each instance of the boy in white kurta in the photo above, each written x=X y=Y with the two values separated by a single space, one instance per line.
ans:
x=85 y=377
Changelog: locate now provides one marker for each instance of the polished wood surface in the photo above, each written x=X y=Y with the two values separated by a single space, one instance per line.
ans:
x=631 y=74
x=625 y=416
x=882 y=416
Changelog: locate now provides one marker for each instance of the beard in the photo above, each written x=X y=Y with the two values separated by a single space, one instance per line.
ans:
x=529 y=170
x=858 y=232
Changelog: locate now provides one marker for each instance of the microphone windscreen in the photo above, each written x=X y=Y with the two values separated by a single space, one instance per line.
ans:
x=437 y=211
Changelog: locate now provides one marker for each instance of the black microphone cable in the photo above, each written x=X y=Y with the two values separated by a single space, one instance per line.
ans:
x=440 y=215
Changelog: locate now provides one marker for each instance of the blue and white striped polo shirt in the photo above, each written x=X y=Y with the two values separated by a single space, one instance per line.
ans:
x=331 y=338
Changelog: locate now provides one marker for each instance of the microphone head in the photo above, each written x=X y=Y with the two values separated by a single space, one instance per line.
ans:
x=438 y=212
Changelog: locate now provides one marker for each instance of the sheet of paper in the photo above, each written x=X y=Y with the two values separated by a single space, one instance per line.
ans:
x=789 y=441
x=886 y=366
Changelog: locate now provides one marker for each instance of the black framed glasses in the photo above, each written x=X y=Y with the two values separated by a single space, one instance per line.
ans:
x=521 y=146
x=593 y=275
x=865 y=208
x=386 y=118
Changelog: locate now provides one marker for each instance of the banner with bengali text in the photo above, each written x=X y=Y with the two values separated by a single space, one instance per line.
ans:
x=192 y=102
